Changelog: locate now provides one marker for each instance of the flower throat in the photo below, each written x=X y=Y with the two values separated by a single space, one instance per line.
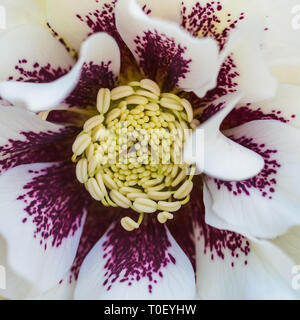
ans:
x=130 y=155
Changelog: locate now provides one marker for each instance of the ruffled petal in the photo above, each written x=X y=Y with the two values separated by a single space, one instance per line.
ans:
x=42 y=216
x=266 y=205
x=75 y=20
x=98 y=66
x=25 y=139
x=208 y=143
x=239 y=34
x=166 y=52
x=230 y=266
x=144 y=264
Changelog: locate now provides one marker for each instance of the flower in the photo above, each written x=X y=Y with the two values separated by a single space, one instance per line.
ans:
x=62 y=243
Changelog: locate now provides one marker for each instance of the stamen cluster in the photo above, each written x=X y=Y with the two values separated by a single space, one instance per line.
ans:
x=130 y=154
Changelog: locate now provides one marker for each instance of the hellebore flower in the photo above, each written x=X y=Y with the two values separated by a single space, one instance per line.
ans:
x=76 y=223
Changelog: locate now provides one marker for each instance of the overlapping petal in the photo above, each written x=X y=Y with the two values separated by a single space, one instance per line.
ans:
x=230 y=266
x=42 y=204
x=266 y=205
x=25 y=139
x=165 y=51
x=145 y=264
x=98 y=65
x=208 y=143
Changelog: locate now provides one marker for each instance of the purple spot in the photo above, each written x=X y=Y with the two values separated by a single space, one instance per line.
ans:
x=216 y=242
x=92 y=78
x=37 y=147
x=226 y=81
x=37 y=73
x=131 y=256
x=245 y=114
x=265 y=181
x=98 y=220
x=204 y=20
x=103 y=20
x=55 y=203
x=161 y=58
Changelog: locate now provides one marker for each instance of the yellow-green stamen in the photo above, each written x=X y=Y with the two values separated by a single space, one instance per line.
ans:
x=130 y=154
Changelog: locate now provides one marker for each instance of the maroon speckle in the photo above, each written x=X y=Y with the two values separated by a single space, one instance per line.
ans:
x=226 y=81
x=103 y=20
x=265 y=181
x=37 y=147
x=98 y=220
x=217 y=242
x=162 y=58
x=93 y=77
x=55 y=203
x=131 y=256
x=244 y=114
x=204 y=20
x=181 y=228
x=37 y=73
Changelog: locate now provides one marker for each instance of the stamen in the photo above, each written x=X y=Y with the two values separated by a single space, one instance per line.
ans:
x=129 y=154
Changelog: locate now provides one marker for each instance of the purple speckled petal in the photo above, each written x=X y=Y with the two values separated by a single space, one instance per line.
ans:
x=32 y=54
x=231 y=267
x=144 y=264
x=239 y=36
x=267 y=204
x=43 y=211
x=25 y=139
x=165 y=51
x=207 y=143
x=98 y=66
x=283 y=107
x=75 y=20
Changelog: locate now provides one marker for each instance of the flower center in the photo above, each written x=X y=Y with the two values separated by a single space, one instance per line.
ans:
x=130 y=155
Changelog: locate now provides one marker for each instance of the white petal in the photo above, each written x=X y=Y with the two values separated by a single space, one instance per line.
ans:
x=163 y=48
x=215 y=154
x=281 y=39
x=19 y=13
x=99 y=53
x=42 y=214
x=268 y=204
x=12 y=286
x=144 y=264
x=25 y=138
x=32 y=54
x=64 y=290
x=230 y=267
x=290 y=243
x=255 y=79
x=283 y=107
x=167 y=9
x=287 y=71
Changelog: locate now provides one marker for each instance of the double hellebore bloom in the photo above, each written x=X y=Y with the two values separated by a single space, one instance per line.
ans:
x=145 y=142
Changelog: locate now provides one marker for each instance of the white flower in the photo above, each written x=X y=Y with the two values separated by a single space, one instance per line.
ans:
x=229 y=62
